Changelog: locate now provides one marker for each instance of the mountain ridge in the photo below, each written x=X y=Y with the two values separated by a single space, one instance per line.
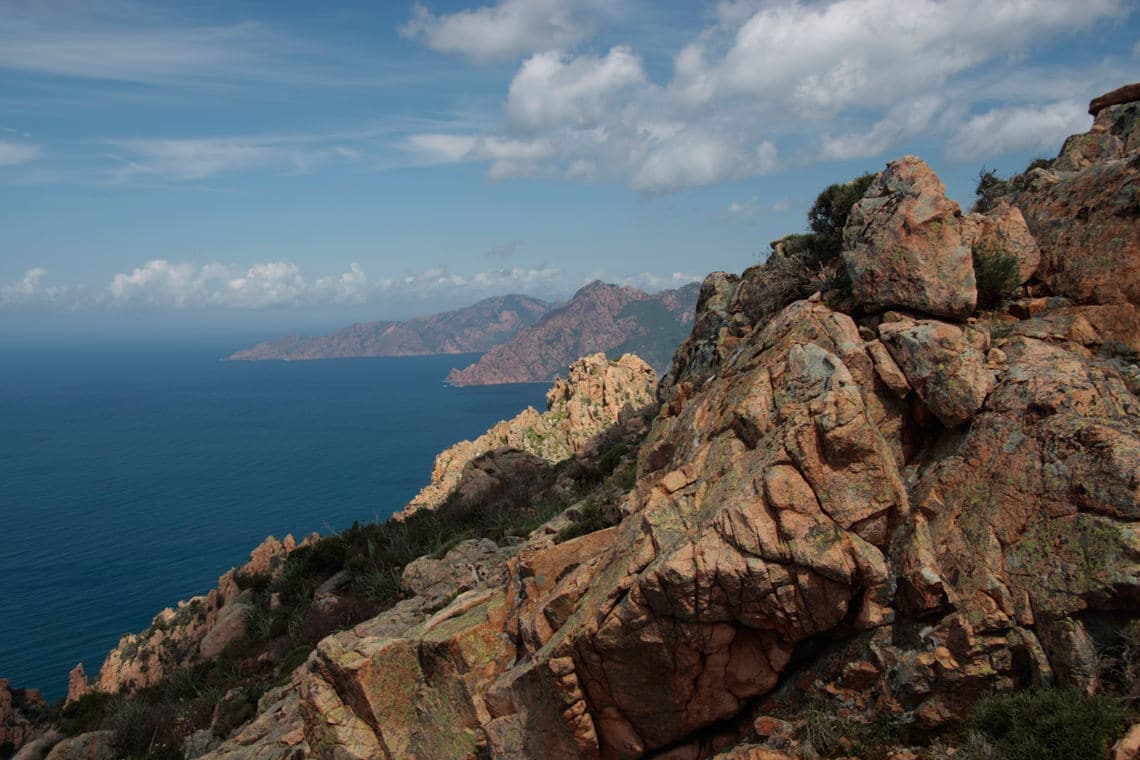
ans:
x=471 y=329
x=599 y=317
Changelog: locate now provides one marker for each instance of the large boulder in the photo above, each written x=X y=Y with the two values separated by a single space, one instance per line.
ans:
x=944 y=363
x=1003 y=229
x=1085 y=213
x=905 y=245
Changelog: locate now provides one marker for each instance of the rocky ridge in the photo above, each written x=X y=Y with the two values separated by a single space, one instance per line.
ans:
x=200 y=629
x=473 y=329
x=595 y=394
x=600 y=317
x=881 y=512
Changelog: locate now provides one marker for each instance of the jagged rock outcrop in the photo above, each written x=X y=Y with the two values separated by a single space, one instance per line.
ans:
x=600 y=317
x=201 y=628
x=890 y=514
x=77 y=684
x=1085 y=212
x=19 y=709
x=595 y=394
x=1003 y=229
x=905 y=245
x=475 y=328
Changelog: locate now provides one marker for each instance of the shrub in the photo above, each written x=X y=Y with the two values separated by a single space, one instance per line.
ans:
x=997 y=273
x=591 y=517
x=990 y=187
x=612 y=458
x=1047 y=724
x=828 y=215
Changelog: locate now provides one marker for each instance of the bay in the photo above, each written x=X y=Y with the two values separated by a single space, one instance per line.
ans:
x=134 y=472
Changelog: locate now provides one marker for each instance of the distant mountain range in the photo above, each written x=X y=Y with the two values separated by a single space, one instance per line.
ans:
x=600 y=317
x=475 y=328
x=524 y=339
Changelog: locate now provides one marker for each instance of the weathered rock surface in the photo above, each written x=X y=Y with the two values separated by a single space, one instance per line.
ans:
x=200 y=628
x=944 y=363
x=893 y=517
x=95 y=745
x=596 y=394
x=479 y=327
x=77 y=684
x=1003 y=229
x=1085 y=214
x=600 y=317
x=905 y=245
x=19 y=709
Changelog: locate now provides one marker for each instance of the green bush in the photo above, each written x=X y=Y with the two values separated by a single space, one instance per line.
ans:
x=1047 y=724
x=828 y=215
x=989 y=188
x=997 y=273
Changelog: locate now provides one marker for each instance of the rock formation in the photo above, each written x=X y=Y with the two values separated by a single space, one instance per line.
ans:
x=884 y=515
x=905 y=245
x=200 y=628
x=475 y=328
x=595 y=394
x=19 y=709
x=77 y=684
x=600 y=317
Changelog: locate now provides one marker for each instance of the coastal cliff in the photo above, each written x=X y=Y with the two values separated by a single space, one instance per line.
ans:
x=600 y=317
x=473 y=329
x=859 y=506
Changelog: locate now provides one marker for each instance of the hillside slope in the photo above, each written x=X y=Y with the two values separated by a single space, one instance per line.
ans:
x=853 y=515
x=600 y=317
x=469 y=330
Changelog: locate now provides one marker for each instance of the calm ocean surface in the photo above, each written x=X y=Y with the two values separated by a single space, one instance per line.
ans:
x=134 y=473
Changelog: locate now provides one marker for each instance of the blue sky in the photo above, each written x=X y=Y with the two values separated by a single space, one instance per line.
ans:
x=284 y=164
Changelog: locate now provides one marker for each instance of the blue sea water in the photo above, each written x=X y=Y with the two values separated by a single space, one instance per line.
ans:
x=134 y=472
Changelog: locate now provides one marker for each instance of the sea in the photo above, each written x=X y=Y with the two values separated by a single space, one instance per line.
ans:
x=134 y=472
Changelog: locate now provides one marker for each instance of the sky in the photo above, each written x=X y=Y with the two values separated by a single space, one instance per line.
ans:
x=291 y=166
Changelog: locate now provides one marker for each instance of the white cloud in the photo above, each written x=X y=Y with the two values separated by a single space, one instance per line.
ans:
x=752 y=209
x=749 y=92
x=17 y=153
x=160 y=284
x=506 y=29
x=555 y=90
x=902 y=121
x=124 y=41
x=1002 y=130
x=647 y=281
x=30 y=291
x=194 y=159
x=817 y=58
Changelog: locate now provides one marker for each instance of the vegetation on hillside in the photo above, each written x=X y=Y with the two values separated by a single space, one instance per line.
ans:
x=804 y=263
x=361 y=568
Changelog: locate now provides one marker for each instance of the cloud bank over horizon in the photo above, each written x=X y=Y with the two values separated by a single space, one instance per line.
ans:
x=160 y=284
x=189 y=157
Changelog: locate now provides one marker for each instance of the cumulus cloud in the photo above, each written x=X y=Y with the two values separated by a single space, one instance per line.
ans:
x=648 y=281
x=749 y=93
x=504 y=30
x=12 y=153
x=160 y=284
x=31 y=291
x=1001 y=130
x=555 y=90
